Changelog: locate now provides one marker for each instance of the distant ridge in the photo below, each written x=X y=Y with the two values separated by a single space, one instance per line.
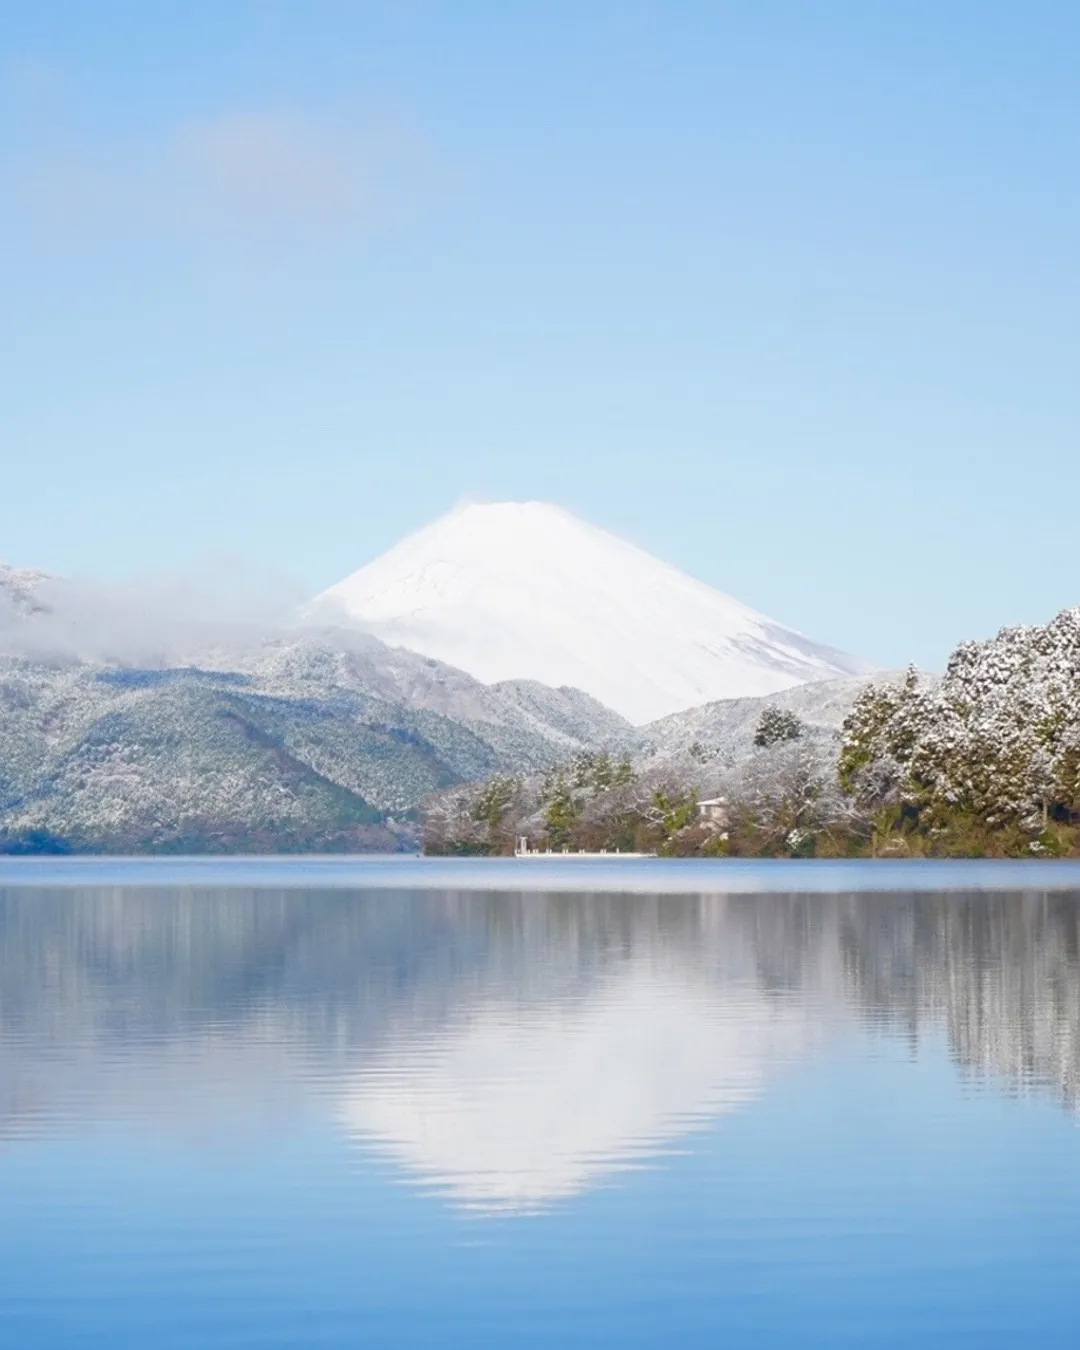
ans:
x=527 y=590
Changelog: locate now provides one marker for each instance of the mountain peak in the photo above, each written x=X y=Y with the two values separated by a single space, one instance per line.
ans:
x=528 y=590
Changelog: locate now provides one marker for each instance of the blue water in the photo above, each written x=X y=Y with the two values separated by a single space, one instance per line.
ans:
x=398 y=1104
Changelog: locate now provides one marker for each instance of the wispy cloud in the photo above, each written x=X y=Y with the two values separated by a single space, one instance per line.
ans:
x=252 y=173
x=271 y=166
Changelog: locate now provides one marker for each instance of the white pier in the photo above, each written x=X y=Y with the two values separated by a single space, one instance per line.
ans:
x=524 y=851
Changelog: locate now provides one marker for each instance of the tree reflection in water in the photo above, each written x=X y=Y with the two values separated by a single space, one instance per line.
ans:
x=506 y=1049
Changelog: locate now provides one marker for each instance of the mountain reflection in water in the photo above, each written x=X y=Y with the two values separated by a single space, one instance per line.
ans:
x=506 y=1050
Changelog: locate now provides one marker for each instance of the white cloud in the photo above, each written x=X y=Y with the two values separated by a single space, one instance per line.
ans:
x=158 y=621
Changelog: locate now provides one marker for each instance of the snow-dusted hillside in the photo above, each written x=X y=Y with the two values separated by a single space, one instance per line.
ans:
x=121 y=734
x=529 y=725
x=295 y=743
x=525 y=590
x=19 y=593
x=722 y=733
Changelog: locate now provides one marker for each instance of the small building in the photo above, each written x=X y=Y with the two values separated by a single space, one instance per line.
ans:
x=713 y=811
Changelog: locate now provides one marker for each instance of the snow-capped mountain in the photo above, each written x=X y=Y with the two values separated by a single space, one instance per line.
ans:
x=526 y=590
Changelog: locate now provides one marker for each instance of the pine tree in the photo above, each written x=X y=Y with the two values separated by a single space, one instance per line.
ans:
x=776 y=725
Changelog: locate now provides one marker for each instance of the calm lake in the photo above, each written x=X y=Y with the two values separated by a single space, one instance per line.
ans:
x=400 y=1102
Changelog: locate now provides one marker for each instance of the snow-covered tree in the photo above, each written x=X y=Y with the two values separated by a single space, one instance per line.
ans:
x=993 y=747
x=777 y=725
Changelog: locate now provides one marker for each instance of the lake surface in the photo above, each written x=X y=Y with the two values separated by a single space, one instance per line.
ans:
x=334 y=1103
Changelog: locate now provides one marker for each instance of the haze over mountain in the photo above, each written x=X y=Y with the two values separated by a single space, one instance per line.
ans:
x=526 y=590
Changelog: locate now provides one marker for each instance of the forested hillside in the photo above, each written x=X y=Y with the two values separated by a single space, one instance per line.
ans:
x=300 y=744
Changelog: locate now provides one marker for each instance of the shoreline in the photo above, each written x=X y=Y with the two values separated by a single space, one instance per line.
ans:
x=657 y=876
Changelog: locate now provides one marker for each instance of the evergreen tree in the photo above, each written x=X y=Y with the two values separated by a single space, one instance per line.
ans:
x=775 y=726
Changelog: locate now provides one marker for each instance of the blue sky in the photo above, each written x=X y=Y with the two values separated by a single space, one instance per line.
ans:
x=788 y=293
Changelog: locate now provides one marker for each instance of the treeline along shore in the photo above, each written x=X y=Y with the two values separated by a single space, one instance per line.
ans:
x=983 y=762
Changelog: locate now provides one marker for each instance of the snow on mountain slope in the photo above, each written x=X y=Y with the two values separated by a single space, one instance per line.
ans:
x=526 y=590
x=19 y=592
x=528 y=725
x=722 y=734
